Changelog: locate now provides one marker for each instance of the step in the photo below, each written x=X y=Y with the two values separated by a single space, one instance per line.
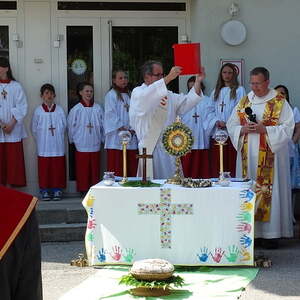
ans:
x=62 y=232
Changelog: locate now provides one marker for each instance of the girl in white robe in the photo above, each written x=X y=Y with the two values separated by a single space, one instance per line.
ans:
x=13 y=109
x=85 y=129
x=116 y=119
x=201 y=120
x=48 y=127
x=225 y=97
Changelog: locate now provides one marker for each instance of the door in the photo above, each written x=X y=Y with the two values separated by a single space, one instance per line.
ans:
x=129 y=42
x=79 y=49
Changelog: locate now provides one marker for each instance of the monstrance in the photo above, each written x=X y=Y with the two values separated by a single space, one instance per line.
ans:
x=178 y=140
x=125 y=137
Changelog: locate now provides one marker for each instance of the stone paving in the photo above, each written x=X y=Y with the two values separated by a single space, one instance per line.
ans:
x=281 y=281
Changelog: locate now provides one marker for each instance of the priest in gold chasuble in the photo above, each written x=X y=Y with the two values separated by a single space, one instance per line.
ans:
x=260 y=128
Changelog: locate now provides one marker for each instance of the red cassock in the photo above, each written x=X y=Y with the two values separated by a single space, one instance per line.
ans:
x=52 y=172
x=87 y=169
x=12 y=165
x=195 y=164
x=229 y=158
x=115 y=162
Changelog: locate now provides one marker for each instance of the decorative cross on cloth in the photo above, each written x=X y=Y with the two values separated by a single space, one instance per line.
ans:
x=165 y=209
x=144 y=156
x=90 y=126
x=195 y=116
x=222 y=106
x=4 y=93
x=126 y=106
x=51 y=128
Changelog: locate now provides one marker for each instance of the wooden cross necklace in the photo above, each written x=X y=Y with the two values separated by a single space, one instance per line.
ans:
x=51 y=128
x=195 y=116
x=4 y=92
x=89 y=125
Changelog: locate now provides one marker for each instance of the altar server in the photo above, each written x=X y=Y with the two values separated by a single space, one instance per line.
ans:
x=225 y=97
x=85 y=128
x=116 y=119
x=201 y=120
x=13 y=109
x=153 y=108
x=48 y=127
x=263 y=154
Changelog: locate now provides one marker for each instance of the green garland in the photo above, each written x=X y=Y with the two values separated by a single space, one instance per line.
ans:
x=179 y=129
x=139 y=183
x=175 y=281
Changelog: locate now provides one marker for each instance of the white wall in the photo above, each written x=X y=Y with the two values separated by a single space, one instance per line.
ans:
x=273 y=39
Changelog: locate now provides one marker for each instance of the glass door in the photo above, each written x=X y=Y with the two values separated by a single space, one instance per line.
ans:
x=78 y=52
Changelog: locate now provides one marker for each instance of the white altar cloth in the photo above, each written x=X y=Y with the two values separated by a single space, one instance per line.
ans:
x=186 y=226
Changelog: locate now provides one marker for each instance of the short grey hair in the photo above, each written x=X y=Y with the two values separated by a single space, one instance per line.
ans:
x=147 y=67
x=261 y=70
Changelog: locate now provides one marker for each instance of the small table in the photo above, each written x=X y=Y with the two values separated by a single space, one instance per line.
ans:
x=187 y=226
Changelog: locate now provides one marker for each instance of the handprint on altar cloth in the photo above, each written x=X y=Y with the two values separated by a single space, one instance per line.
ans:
x=233 y=253
x=246 y=206
x=248 y=194
x=116 y=253
x=203 y=255
x=245 y=254
x=245 y=241
x=101 y=255
x=244 y=217
x=218 y=255
x=91 y=223
x=130 y=253
x=244 y=227
x=90 y=236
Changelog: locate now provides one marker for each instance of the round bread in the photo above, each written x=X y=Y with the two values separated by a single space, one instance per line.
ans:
x=152 y=269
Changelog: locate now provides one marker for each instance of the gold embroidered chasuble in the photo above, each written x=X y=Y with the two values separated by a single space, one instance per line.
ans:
x=265 y=167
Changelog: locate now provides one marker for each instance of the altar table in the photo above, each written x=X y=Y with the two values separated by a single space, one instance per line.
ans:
x=187 y=226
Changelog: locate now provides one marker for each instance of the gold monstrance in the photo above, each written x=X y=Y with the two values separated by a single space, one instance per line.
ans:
x=177 y=140
x=125 y=137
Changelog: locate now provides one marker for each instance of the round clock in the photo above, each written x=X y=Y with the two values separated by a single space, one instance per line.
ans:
x=78 y=66
x=233 y=32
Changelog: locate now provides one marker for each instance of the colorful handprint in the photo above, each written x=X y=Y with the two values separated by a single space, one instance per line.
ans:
x=116 y=253
x=203 y=255
x=244 y=217
x=233 y=253
x=218 y=255
x=91 y=223
x=245 y=241
x=244 y=227
x=90 y=236
x=245 y=254
x=246 y=206
x=248 y=194
x=129 y=254
x=101 y=255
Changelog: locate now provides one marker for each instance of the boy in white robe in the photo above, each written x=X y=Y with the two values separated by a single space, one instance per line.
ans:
x=85 y=129
x=279 y=223
x=13 y=109
x=48 y=127
x=201 y=120
x=153 y=108
x=116 y=119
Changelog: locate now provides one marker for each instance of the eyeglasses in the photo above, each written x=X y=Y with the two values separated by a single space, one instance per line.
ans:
x=158 y=75
x=257 y=83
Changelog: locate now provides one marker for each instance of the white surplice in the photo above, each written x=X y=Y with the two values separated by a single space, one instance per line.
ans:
x=147 y=102
x=116 y=115
x=86 y=139
x=48 y=144
x=278 y=137
x=224 y=105
x=13 y=105
x=201 y=120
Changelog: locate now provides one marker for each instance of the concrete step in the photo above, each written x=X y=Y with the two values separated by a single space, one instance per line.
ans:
x=62 y=232
x=62 y=221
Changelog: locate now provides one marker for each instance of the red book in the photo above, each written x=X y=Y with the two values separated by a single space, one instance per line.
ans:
x=188 y=56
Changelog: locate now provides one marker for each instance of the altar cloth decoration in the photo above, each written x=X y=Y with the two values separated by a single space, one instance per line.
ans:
x=204 y=283
x=210 y=227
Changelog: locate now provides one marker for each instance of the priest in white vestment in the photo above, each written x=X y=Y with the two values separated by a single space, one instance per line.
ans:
x=279 y=223
x=153 y=108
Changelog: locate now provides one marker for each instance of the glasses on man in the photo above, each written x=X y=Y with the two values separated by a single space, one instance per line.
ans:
x=257 y=83
x=159 y=75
